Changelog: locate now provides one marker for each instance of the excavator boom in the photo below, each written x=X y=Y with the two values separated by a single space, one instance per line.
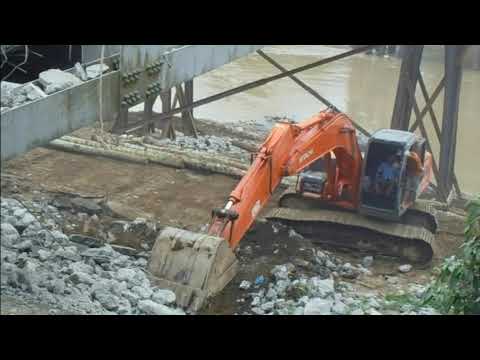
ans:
x=289 y=149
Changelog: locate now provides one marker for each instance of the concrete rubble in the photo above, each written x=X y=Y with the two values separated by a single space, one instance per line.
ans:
x=405 y=268
x=291 y=291
x=209 y=144
x=96 y=70
x=49 y=82
x=14 y=95
x=80 y=72
x=43 y=265
x=54 y=80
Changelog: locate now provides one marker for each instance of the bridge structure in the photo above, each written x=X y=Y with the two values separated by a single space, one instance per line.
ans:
x=143 y=73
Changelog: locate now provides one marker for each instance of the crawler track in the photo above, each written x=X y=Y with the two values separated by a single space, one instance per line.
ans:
x=411 y=239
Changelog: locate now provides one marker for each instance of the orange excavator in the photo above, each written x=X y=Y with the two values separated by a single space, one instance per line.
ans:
x=365 y=201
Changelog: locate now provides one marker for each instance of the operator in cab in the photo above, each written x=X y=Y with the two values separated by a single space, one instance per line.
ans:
x=387 y=176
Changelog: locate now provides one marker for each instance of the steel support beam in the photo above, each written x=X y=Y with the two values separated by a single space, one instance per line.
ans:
x=179 y=63
x=409 y=72
x=167 y=124
x=186 y=98
x=441 y=192
x=255 y=84
x=453 y=80
x=435 y=124
x=308 y=89
x=429 y=104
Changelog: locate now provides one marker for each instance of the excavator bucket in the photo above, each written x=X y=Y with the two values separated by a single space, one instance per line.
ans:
x=194 y=266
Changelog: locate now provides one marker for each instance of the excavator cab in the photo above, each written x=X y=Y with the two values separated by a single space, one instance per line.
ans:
x=387 y=188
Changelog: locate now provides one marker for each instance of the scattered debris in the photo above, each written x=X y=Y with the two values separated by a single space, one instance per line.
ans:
x=367 y=261
x=86 y=205
x=405 y=268
x=259 y=280
x=245 y=285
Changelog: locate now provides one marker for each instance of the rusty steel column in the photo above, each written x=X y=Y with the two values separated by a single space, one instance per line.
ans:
x=409 y=72
x=453 y=81
x=166 y=124
x=185 y=97
x=188 y=97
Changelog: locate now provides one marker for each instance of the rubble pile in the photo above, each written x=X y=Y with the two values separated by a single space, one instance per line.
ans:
x=207 y=143
x=46 y=266
x=49 y=82
x=292 y=291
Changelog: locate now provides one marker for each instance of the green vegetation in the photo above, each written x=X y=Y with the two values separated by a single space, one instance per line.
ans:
x=457 y=288
x=397 y=301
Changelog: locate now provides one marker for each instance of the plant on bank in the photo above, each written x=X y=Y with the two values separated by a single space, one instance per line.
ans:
x=457 y=288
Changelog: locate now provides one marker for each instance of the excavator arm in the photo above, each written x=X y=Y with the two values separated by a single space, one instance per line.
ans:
x=289 y=149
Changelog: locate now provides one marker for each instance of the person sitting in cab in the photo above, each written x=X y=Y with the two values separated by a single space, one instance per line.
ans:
x=387 y=176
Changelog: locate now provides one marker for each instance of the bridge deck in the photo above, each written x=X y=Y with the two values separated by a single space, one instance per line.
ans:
x=39 y=122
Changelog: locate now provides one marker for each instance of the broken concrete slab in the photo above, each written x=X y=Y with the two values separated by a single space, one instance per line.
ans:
x=405 y=268
x=31 y=91
x=86 y=205
x=80 y=72
x=96 y=70
x=7 y=86
x=119 y=210
x=54 y=80
x=86 y=240
x=125 y=250
x=14 y=95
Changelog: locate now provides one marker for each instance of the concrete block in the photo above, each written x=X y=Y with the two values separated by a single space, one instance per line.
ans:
x=96 y=70
x=54 y=80
x=80 y=72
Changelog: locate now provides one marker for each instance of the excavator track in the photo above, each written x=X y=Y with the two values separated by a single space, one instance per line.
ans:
x=411 y=239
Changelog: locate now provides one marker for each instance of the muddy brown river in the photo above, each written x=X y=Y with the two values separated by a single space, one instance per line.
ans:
x=362 y=86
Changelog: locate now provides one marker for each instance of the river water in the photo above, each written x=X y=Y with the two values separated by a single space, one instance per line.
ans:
x=362 y=86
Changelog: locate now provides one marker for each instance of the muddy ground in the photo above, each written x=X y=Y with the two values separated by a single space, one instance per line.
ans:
x=184 y=198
